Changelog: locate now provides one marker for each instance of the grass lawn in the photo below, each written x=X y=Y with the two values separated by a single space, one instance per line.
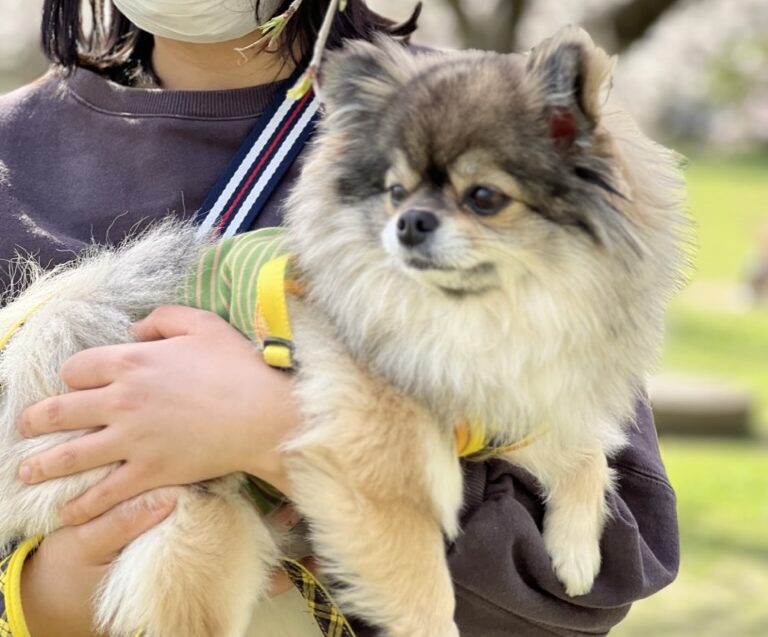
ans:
x=722 y=486
x=729 y=201
x=709 y=331
x=722 y=489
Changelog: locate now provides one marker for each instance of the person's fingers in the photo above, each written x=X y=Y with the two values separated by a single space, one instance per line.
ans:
x=119 y=486
x=78 y=410
x=109 y=533
x=281 y=583
x=285 y=518
x=169 y=321
x=75 y=456
x=100 y=366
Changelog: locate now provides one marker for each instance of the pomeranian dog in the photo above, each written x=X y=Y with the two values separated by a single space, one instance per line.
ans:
x=480 y=238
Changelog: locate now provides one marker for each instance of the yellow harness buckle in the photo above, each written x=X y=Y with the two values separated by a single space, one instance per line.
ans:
x=272 y=308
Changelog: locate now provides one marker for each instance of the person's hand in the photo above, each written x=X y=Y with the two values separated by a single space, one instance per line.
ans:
x=59 y=580
x=195 y=403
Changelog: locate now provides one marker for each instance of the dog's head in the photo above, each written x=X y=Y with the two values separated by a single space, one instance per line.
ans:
x=472 y=168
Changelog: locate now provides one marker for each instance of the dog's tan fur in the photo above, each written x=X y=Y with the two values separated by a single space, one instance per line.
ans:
x=544 y=316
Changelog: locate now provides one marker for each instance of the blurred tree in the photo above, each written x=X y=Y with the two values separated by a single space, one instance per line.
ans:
x=496 y=30
x=740 y=71
x=617 y=25
x=630 y=21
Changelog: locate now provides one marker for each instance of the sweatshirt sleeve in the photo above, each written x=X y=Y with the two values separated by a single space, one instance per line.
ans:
x=502 y=573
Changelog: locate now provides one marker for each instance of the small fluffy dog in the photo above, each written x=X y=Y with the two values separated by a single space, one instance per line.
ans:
x=480 y=238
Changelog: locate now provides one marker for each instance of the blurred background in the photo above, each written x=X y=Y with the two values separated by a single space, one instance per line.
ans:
x=694 y=73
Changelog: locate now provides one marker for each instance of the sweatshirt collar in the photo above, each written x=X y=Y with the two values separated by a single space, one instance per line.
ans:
x=111 y=97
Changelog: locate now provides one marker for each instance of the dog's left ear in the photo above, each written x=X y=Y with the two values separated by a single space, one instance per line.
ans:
x=571 y=77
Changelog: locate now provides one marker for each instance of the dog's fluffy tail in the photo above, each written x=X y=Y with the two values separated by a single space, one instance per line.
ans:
x=197 y=574
x=88 y=303
x=130 y=278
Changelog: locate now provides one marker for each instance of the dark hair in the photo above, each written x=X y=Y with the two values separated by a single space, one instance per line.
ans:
x=93 y=34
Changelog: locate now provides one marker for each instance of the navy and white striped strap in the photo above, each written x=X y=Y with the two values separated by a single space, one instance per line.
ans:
x=253 y=174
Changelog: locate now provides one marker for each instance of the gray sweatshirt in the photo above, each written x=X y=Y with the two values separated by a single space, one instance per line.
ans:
x=83 y=159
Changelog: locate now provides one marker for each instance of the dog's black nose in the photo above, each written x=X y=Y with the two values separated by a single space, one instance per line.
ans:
x=414 y=226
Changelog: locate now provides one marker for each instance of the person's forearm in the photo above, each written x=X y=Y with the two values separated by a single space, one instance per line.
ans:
x=265 y=458
x=42 y=604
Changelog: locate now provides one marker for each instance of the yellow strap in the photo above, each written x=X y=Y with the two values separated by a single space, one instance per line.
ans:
x=12 y=592
x=6 y=338
x=469 y=439
x=272 y=307
x=471 y=442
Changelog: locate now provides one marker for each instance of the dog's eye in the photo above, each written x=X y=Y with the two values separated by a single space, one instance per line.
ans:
x=398 y=194
x=485 y=201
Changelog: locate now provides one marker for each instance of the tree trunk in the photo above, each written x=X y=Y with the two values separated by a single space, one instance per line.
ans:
x=619 y=26
x=629 y=22
x=498 y=32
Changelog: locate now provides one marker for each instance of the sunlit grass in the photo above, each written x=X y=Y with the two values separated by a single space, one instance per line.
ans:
x=722 y=489
x=729 y=203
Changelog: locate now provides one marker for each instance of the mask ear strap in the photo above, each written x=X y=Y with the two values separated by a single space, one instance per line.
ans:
x=310 y=77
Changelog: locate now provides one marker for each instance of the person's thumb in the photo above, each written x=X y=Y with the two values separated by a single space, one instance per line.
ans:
x=169 y=321
x=106 y=535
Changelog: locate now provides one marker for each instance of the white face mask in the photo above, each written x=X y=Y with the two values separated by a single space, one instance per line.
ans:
x=204 y=21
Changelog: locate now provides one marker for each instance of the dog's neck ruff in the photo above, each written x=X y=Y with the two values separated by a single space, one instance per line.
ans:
x=267 y=317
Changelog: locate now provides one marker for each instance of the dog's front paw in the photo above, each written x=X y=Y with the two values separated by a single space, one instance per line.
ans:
x=575 y=558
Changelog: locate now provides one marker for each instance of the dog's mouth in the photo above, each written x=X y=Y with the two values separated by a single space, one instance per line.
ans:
x=426 y=265
x=452 y=280
x=462 y=293
x=485 y=268
x=454 y=269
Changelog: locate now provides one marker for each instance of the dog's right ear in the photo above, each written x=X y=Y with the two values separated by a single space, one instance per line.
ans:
x=570 y=77
x=358 y=81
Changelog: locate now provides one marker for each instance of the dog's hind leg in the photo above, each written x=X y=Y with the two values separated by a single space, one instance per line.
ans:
x=362 y=476
x=197 y=574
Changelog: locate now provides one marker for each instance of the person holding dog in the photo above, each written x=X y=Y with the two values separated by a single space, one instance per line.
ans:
x=138 y=117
